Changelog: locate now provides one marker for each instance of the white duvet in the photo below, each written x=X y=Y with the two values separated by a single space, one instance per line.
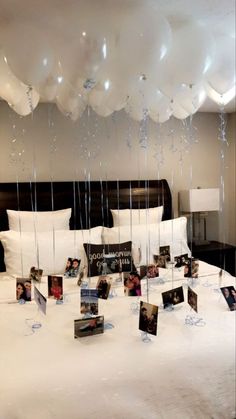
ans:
x=185 y=372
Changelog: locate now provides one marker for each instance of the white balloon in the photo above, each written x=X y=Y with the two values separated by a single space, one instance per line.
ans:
x=162 y=116
x=75 y=114
x=11 y=89
x=48 y=88
x=221 y=77
x=28 y=102
x=162 y=111
x=179 y=112
x=190 y=98
x=28 y=52
x=108 y=95
x=69 y=102
x=88 y=42
x=145 y=39
x=103 y=110
x=220 y=99
x=143 y=94
x=136 y=113
x=190 y=57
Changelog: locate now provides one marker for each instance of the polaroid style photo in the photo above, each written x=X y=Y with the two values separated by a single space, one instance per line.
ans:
x=191 y=268
x=149 y=271
x=181 y=260
x=132 y=284
x=55 y=287
x=89 y=301
x=192 y=299
x=103 y=287
x=163 y=258
x=152 y=271
x=88 y=327
x=229 y=294
x=35 y=274
x=40 y=300
x=23 y=289
x=72 y=268
x=173 y=297
x=148 y=316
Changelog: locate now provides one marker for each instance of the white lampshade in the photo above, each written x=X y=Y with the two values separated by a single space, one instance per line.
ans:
x=199 y=200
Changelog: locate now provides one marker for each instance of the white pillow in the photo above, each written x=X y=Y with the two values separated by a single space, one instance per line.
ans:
x=39 y=220
x=123 y=217
x=147 y=239
x=46 y=250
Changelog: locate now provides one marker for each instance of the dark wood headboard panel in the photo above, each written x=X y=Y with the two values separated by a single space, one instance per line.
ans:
x=90 y=201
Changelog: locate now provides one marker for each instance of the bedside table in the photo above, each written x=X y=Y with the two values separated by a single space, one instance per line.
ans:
x=216 y=253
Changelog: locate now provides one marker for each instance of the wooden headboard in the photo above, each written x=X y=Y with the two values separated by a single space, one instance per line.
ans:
x=90 y=201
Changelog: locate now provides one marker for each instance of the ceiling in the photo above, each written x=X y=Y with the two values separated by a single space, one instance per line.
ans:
x=217 y=14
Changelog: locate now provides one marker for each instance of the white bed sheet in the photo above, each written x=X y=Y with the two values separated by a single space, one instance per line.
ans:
x=185 y=372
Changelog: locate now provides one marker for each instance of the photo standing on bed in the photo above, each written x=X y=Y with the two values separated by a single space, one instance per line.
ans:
x=55 y=287
x=23 y=289
x=72 y=268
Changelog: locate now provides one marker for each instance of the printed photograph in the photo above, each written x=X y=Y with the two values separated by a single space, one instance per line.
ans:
x=23 y=289
x=181 y=260
x=88 y=327
x=72 y=268
x=152 y=271
x=103 y=287
x=163 y=258
x=55 y=287
x=173 y=297
x=35 y=274
x=192 y=299
x=229 y=294
x=40 y=300
x=148 y=315
x=109 y=265
x=191 y=268
x=89 y=301
x=132 y=284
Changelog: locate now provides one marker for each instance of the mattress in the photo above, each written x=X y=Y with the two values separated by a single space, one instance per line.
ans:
x=186 y=371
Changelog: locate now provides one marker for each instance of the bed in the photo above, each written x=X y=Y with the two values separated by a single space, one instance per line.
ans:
x=186 y=371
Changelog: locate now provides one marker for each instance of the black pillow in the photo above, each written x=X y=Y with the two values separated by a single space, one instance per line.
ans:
x=105 y=259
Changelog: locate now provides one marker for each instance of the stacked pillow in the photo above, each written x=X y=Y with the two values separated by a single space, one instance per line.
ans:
x=123 y=217
x=46 y=250
x=43 y=239
x=39 y=220
x=147 y=238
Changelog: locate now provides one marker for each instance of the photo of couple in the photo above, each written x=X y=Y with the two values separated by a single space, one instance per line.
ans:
x=23 y=289
x=103 y=287
x=148 y=318
x=163 y=258
x=72 y=268
x=173 y=297
x=132 y=284
x=149 y=271
x=229 y=294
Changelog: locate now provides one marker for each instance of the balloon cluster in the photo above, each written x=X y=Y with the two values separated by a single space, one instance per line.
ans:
x=132 y=59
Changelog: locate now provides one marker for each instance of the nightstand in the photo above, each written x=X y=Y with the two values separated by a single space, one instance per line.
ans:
x=216 y=253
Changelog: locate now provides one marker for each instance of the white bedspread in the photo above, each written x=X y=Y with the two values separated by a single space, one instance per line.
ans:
x=185 y=372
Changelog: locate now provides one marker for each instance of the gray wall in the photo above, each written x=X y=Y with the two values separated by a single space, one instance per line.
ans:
x=48 y=146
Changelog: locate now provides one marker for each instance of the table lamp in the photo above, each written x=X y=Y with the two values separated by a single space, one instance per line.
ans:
x=199 y=202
